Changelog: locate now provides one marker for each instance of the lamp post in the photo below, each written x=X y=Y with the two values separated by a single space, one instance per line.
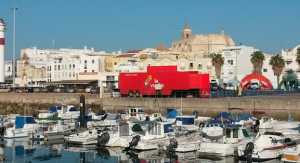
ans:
x=14 y=35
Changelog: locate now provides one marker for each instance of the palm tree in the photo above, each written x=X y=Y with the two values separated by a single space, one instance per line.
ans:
x=257 y=59
x=298 y=59
x=277 y=63
x=217 y=61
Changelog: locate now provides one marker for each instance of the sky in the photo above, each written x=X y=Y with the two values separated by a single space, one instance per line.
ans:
x=112 y=25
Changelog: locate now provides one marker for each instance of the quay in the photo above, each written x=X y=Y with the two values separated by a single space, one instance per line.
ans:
x=30 y=103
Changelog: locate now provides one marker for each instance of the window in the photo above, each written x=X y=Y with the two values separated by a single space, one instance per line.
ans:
x=176 y=56
x=191 y=65
x=149 y=64
x=55 y=67
x=65 y=66
x=69 y=74
x=115 y=63
x=73 y=66
x=85 y=70
x=62 y=74
x=58 y=67
x=230 y=62
x=235 y=133
x=228 y=133
x=73 y=74
x=187 y=35
x=93 y=61
x=8 y=68
x=93 y=70
x=237 y=52
x=85 y=61
x=288 y=62
x=200 y=65
x=70 y=67
x=265 y=70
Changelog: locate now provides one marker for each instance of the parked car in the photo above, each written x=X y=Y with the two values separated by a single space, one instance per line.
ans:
x=71 y=90
x=95 y=90
x=29 y=89
x=38 y=90
x=49 y=89
x=115 y=93
x=81 y=89
x=21 y=90
x=6 y=90
x=88 y=89
x=59 y=90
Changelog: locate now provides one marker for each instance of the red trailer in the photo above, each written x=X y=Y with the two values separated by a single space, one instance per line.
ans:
x=164 y=80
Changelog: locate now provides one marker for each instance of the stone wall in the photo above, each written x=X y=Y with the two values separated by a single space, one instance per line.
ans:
x=276 y=106
x=28 y=104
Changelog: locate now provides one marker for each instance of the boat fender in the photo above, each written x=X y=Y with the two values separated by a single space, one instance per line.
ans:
x=2 y=130
x=135 y=140
x=248 y=150
x=172 y=146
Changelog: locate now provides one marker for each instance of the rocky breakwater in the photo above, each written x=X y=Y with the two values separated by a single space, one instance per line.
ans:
x=30 y=103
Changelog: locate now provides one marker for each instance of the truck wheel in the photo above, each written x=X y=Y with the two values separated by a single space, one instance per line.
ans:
x=130 y=94
x=137 y=94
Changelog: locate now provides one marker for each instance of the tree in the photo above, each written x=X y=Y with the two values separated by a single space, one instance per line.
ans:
x=298 y=59
x=217 y=61
x=277 y=63
x=257 y=59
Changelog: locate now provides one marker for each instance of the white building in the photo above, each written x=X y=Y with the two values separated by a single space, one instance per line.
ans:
x=237 y=62
x=8 y=68
x=67 y=65
x=290 y=56
x=268 y=72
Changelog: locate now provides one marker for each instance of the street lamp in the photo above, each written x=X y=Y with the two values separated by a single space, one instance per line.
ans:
x=14 y=35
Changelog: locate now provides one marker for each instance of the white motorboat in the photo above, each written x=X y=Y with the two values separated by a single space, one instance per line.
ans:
x=265 y=147
x=157 y=117
x=24 y=127
x=225 y=145
x=135 y=114
x=291 y=154
x=64 y=112
x=187 y=136
x=155 y=136
x=87 y=137
x=110 y=121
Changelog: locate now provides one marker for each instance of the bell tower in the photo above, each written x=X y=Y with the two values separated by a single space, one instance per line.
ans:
x=186 y=32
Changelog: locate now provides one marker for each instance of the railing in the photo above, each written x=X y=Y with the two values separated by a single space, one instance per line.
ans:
x=218 y=93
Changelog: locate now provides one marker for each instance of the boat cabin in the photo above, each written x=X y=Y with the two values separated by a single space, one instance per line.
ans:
x=234 y=134
x=24 y=121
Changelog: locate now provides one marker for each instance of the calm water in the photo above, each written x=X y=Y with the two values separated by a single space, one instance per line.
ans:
x=24 y=150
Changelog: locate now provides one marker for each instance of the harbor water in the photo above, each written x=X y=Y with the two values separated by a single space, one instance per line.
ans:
x=23 y=150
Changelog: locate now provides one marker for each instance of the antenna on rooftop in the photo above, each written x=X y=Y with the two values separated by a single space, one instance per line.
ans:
x=53 y=44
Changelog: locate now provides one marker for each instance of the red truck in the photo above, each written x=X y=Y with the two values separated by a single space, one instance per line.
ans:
x=164 y=80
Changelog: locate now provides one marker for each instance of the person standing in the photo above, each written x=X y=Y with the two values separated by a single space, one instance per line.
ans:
x=240 y=91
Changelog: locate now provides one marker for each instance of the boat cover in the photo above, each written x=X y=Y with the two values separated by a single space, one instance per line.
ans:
x=225 y=115
x=171 y=113
x=21 y=121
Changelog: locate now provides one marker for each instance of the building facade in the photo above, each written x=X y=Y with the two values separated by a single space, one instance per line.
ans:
x=237 y=62
x=205 y=43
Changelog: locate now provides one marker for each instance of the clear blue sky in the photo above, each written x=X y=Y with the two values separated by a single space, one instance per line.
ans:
x=111 y=25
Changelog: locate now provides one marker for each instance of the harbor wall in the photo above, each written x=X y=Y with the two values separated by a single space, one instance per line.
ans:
x=29 y=104
x=276 y=106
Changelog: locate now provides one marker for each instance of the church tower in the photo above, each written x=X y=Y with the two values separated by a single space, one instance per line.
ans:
x=186 y=32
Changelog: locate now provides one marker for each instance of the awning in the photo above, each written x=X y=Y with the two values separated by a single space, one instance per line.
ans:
x=145 y=122
x=235 y=109
x=288 y=59
x=73 y=82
